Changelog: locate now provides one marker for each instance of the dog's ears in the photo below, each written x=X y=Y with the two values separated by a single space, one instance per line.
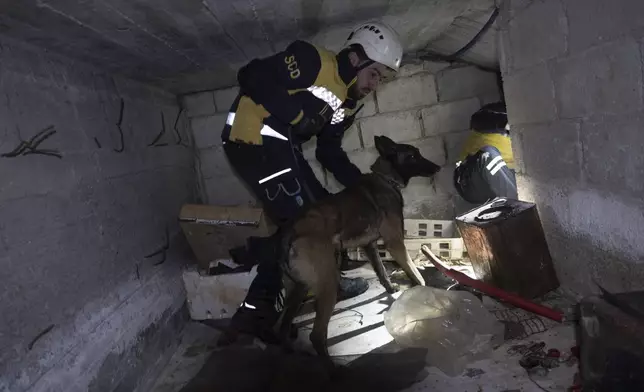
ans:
x=384 y=145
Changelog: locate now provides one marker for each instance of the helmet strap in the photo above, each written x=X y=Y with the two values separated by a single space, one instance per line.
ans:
x=364 y=65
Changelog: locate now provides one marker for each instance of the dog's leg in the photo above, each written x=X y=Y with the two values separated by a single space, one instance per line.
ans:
x=398 y=251
x=326 y=299
x=291 y=307
x=376 y=262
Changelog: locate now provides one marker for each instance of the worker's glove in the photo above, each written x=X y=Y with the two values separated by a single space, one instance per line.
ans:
x=309 y=126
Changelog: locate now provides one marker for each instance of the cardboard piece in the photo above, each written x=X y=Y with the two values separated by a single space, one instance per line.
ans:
x=213 y=230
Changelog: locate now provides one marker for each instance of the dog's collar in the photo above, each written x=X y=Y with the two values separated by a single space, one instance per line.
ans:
x=385 y=170
x=392 y=181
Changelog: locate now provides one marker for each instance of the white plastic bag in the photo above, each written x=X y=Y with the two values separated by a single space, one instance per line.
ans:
x=453 y=325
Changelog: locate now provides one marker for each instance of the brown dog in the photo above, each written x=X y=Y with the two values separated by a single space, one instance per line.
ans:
x=356 y=217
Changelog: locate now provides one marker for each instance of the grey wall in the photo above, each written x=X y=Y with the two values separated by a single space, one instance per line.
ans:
x=74 y=231
x=572 y=72
x=428 y=105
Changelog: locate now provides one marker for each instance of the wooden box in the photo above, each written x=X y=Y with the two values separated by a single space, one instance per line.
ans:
x=507 y=247
x=213 y=230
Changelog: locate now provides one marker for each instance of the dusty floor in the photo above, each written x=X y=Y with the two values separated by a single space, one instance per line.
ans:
x=358 y=339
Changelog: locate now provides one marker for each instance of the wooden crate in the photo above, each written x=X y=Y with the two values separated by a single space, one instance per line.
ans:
x=507 y=247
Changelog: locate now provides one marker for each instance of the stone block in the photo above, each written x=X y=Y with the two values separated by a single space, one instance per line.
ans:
x=227 y=190
x=530 y=96
x=213 y=163
x=432 y=148
x=369 y=108
x=606 y=79
x=399 y=126
x=596 y=21
x=549 y=151
x=364 y=159
x=410 y=69
x=423 y=200
x=351 y=139
x=449 y=116
x=308 y=149
x=434 y=67
x=407 y=93
x=224 y=98
x=454 y=144
x=613 y=151
x=206 y=130
x=199 y=104
x=545 y=20
x=215 y=297
x=319 y=172
x=464 y=82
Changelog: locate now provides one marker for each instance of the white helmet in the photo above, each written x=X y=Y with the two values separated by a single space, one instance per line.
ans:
x=380 y=43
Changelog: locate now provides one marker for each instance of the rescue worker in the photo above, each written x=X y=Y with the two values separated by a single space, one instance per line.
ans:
x=486 y=168
x=285 y=100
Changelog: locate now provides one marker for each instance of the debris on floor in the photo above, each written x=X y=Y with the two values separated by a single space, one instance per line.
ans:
x=359 y=341
x=453 y=325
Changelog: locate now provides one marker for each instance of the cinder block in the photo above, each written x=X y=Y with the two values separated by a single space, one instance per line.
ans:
x=423 y=200
x=464 y=82
x=529 y=95
x=399 y=126
x=449 y=117
x=214 y=163
x=227 y=190
x=613 y=151
x=410 y=69
x=308 y=149
x=199 y=104
x=319 y=172
x=207 y=130
x=369 y=108
x=550 y=151
x=454 y=144
x=545 y=20
x=215 y=297
x=351 y=139
x=605 y=79
x=490 y=98
x=225 y=98
x=432 y=148
x=596 y=21
x=407 y=93
x=364 y=159
x=332 y=185
x=434 y=67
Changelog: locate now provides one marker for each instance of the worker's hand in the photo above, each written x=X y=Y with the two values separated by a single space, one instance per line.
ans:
x=309 y=126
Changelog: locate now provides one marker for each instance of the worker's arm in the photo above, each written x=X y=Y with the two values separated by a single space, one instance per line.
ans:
x=332 y=157
x=267 y=81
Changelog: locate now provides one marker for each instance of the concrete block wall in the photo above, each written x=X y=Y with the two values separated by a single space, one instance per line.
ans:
x=74 y=232
x=208 y=112
x=428 y=105
x=573 y=80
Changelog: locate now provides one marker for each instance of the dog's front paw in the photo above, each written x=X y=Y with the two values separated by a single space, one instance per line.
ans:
x=392 y=288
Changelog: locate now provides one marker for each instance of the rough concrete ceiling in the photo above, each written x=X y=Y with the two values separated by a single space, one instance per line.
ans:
x=191 y=45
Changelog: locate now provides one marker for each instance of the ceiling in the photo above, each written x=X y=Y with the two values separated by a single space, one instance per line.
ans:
x=192 y=45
